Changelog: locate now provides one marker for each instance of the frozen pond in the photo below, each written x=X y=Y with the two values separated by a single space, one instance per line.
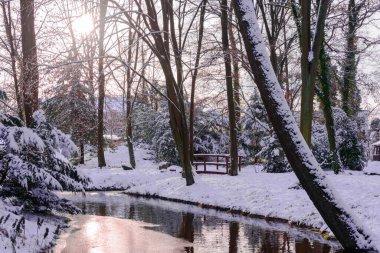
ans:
x=114 y=222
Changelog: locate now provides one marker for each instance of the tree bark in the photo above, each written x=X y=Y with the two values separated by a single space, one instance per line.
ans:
x=174 y=90
x=306 y=168
x=131 y=152
x=235 y=69
x=81 y=147
x=350 y=102
x=309 y=62
x=101 y=82
x=194 y=78
x=325 y=99
x=30 y=77
x=233 y=170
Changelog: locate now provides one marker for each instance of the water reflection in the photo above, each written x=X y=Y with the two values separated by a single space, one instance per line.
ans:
x=207 y=230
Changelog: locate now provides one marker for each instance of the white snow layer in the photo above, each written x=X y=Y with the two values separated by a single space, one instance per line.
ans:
x=271 y=195
x=25 y=233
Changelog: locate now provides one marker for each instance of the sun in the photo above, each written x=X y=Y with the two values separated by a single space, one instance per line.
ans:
x=83 y=25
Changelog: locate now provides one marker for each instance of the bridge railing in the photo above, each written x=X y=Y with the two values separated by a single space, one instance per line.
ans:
x=218 y=160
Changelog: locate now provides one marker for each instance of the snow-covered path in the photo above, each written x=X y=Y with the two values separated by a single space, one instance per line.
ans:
x=272 y=195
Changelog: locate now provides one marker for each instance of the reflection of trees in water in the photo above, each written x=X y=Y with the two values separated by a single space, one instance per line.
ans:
x=234 y=235
x=304 y=245
x=268 y=241
x=205 y=231
x=186 y=230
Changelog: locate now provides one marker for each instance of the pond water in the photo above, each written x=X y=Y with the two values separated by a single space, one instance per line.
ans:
x=115 y=222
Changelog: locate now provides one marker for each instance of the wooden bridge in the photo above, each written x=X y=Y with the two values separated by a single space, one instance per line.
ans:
x=218 y=160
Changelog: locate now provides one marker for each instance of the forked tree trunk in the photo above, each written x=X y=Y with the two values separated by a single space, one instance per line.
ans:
x=309 y=61
x=30 y=78
x=101 y=82
x=324 y=94
x=347 y=230
x=174 y=89
x=233 y=170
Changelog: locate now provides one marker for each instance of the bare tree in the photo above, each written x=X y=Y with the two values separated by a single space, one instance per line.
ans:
x=235 y=66
x=165 y=43
x=101 y=83
x=194 y=77
x=233 y=170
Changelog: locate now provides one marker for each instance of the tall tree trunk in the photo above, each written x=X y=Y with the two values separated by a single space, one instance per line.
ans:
x=325 y=99
x=81 y=147
x=307 y=91
x=30 y=77
x=101 y=82
x=233 y=170
x=349 y=90
x=312 y=178
x=285 y=79
x=309 y=61
x=235 y=68
x=194 y=78
x=131 y=152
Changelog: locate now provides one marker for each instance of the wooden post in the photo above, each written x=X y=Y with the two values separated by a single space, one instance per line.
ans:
x=227 y=160
x=217 y=162
x=204 y=163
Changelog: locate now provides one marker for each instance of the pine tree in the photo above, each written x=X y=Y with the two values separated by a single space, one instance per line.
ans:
x=71 y=110
x=34 y=162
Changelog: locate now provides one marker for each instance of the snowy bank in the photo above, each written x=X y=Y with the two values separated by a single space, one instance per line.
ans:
x=27 y=233
x=254 y=192
x=372 y=168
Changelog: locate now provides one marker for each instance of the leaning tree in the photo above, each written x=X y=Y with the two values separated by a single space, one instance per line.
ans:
x=342 y=223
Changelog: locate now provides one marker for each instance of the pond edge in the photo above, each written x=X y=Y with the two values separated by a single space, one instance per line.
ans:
x=324 y=234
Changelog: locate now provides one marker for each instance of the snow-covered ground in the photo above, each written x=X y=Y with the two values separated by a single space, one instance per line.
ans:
x=271 y=195
x=372 y=168
x=26 y=233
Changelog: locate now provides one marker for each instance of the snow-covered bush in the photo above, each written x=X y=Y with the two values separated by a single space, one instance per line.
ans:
x=163 y=142
x=320 y=146
x=34 y=162
x=71 y=109
x=152 y=127
x=350 y=148
x=210 y=133
x=255 y=127
x=375 y=130
x=272 y=152
x=144 y=117
x=258 y=139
